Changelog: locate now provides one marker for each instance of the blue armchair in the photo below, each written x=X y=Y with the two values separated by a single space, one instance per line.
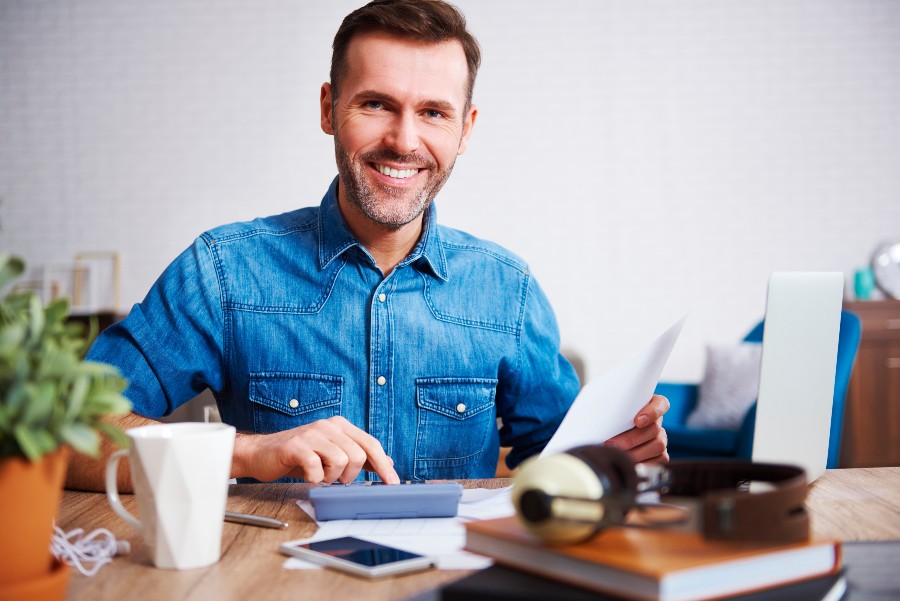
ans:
x=688 y=443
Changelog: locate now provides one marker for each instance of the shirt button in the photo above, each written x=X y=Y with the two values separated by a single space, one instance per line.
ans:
x=461 y=408
x=294 y=403
x=381 y=380
x=382 y=297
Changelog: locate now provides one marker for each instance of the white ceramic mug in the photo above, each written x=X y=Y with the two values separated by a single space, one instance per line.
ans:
x=180 y=474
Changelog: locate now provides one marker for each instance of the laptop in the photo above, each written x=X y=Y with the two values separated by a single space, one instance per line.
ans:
x=799 y=357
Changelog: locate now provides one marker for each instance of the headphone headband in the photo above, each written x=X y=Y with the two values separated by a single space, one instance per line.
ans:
x=729 y=513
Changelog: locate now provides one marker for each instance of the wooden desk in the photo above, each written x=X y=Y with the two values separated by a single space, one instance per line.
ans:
x=849 y=504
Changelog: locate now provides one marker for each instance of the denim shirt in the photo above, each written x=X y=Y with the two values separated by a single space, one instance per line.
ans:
x=288 y=320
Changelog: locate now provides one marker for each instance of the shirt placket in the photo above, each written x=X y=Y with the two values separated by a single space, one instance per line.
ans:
x=381 y=372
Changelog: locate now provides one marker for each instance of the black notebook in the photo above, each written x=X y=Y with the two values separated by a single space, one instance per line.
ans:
x=499 y=583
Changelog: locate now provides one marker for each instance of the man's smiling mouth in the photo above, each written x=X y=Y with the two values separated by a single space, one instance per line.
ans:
x=395 y=173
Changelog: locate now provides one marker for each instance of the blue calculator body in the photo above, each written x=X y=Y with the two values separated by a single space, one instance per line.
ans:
x=374 y=500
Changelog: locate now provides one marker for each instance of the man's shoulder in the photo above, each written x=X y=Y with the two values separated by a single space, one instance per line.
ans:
x=297 y=221
x=462 y=245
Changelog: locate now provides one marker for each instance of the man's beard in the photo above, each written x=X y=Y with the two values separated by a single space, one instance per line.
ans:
x=389 y=206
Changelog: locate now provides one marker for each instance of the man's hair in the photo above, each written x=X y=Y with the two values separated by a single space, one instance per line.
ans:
x=431 y=21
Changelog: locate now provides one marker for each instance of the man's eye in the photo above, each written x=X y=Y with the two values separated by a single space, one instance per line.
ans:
x=434 y=114
x=373 y=104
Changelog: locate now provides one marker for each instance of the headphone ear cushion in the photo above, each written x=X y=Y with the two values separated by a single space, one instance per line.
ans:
x=613 y=467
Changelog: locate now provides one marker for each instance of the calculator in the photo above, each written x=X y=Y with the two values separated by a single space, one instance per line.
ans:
x=376 y=500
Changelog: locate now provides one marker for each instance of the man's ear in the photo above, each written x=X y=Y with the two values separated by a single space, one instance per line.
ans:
x=468 y=124
x=327 y=111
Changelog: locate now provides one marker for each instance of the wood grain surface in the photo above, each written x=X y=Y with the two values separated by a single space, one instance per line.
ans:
x=848 y=504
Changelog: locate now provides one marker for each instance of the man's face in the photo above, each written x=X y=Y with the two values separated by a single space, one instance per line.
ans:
x=398 y=125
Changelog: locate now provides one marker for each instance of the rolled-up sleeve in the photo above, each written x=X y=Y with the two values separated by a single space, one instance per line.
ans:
x=170 y=346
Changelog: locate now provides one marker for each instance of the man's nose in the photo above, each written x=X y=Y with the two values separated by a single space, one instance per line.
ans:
x=403 y=135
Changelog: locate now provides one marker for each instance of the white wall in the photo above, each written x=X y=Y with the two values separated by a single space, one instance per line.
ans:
x=646 y=157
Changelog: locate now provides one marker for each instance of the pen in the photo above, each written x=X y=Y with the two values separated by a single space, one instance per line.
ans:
x=254 y=520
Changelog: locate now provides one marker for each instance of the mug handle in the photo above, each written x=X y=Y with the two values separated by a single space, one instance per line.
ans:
x=112 y=489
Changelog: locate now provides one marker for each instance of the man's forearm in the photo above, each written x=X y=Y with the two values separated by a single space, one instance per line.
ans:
x=88 y=473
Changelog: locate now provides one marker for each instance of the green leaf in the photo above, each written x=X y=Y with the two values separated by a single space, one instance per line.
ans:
x=48 y=441
x=56 y=363
x=93 y=368
x=77 y=394
x=57 y=311
x=115 y=434
x=39 y=405
x=29 y=441
x=106 y=403
x=82 y=438
x=11 y=267
x=16 y=399
x=11 y=336
x=36 y=311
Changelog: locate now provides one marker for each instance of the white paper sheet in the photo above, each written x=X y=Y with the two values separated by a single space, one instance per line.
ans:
x=486 y=503
x=607 y=405
x=440 y=538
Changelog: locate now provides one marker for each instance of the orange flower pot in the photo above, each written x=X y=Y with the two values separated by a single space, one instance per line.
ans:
x=29 y=499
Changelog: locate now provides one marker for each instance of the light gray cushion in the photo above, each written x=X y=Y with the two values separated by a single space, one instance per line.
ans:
x=730 y=386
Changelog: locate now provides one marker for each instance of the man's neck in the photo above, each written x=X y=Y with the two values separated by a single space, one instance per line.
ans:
x=388 y=246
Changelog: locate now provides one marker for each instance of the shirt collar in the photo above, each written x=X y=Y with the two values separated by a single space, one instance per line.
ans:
x=335 y=238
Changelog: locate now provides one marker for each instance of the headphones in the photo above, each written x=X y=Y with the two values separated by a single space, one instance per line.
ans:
x=570 y=497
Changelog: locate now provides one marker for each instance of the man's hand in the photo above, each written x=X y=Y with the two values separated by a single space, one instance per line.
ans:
x=327 y=450
x=647 y=440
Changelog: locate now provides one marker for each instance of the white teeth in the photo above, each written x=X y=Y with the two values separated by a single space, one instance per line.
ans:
x=396 y=173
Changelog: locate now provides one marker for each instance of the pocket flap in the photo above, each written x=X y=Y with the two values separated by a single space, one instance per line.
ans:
x=294 y=393
x=456 y=398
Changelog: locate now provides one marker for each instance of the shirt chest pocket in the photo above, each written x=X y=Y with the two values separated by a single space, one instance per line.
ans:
x=284 y=400
x=455 y=417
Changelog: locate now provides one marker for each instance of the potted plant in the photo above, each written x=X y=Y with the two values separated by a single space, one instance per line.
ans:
x=51 y=401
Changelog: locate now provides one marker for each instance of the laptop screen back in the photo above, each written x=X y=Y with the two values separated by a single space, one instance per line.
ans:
x=799 y=355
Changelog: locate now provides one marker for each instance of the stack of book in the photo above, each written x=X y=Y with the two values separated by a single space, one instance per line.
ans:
x=647 y=565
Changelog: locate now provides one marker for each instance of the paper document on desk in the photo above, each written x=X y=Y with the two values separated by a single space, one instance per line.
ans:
x=440 y=538
x=607 y=405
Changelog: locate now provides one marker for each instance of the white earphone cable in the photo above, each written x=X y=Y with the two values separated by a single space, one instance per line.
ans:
x=97 y=548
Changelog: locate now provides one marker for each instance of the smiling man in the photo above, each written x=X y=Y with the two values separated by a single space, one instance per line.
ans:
x=400 y=117
x=359 y=338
